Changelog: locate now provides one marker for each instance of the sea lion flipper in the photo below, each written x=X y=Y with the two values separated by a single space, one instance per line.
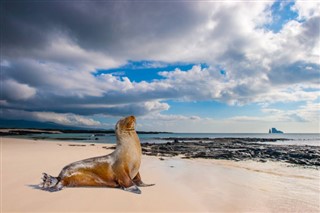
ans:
x=146 y=185
x=133 y=189
x=137 y=180
x=125 y=182
x=50 y=183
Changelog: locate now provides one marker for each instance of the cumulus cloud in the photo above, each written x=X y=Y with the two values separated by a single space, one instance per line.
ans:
x=305 y=113
x=169 y=122
x=169 y=118
x=51 y=50
x=68 y=119
x=306 y=9
x=14 y=91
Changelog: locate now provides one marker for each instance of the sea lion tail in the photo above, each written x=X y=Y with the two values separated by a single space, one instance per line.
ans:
x=50 y=183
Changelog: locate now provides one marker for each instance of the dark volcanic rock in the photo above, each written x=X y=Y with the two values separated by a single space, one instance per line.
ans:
x=236 y=149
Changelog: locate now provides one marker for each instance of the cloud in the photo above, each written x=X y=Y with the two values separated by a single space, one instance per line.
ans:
x=297 y=41
x=119 y=96
x=51 y=51
x=305 y=113
x=297 y=72
x=12 y=90
x=127 y=30
x=309 y=112
x=306 y=9
x=169 y=118
x=171 y=122
x=68 y=119
x=117 y=28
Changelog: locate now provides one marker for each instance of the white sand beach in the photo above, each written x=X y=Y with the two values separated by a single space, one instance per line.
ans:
x=181 y=185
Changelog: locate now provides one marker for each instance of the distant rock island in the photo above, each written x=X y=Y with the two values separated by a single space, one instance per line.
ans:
x=274 y=130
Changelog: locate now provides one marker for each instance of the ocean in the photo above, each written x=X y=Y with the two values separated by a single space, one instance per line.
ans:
x=293 y=138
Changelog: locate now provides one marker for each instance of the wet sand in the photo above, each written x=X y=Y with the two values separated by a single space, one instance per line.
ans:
x=182 y=185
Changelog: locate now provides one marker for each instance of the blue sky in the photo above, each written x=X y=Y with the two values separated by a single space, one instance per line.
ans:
x=178 y=66
x=282 y=13
x=138 y=71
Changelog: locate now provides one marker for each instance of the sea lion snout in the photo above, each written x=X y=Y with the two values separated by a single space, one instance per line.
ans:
x=130 y=122
x=132 y=118
x=126 y=124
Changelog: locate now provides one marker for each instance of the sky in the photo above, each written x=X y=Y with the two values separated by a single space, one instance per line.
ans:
x=178 y=66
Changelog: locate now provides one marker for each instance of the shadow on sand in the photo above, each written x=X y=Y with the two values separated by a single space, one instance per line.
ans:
x=35 y=186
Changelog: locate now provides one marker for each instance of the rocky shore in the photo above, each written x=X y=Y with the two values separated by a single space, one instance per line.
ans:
x=236 y=149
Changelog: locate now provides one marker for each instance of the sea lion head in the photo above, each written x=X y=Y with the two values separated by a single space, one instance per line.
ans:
x=125 y=125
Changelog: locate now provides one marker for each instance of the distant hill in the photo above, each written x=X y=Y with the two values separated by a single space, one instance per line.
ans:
x=19 y=124
x=24 y=124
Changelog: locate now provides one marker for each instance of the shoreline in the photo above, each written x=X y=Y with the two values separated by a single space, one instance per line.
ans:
x=182 y=185
x=227 y=148
x=29 y=131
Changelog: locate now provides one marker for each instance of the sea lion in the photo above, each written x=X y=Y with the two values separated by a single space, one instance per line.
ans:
x=118 y=169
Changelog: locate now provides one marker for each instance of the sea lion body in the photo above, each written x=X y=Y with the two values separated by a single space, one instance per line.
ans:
x=118 y=169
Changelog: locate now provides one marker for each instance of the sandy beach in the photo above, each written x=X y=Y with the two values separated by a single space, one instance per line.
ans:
x=182 y=185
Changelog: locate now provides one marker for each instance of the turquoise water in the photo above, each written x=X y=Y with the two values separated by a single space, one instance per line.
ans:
x=294 y=139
